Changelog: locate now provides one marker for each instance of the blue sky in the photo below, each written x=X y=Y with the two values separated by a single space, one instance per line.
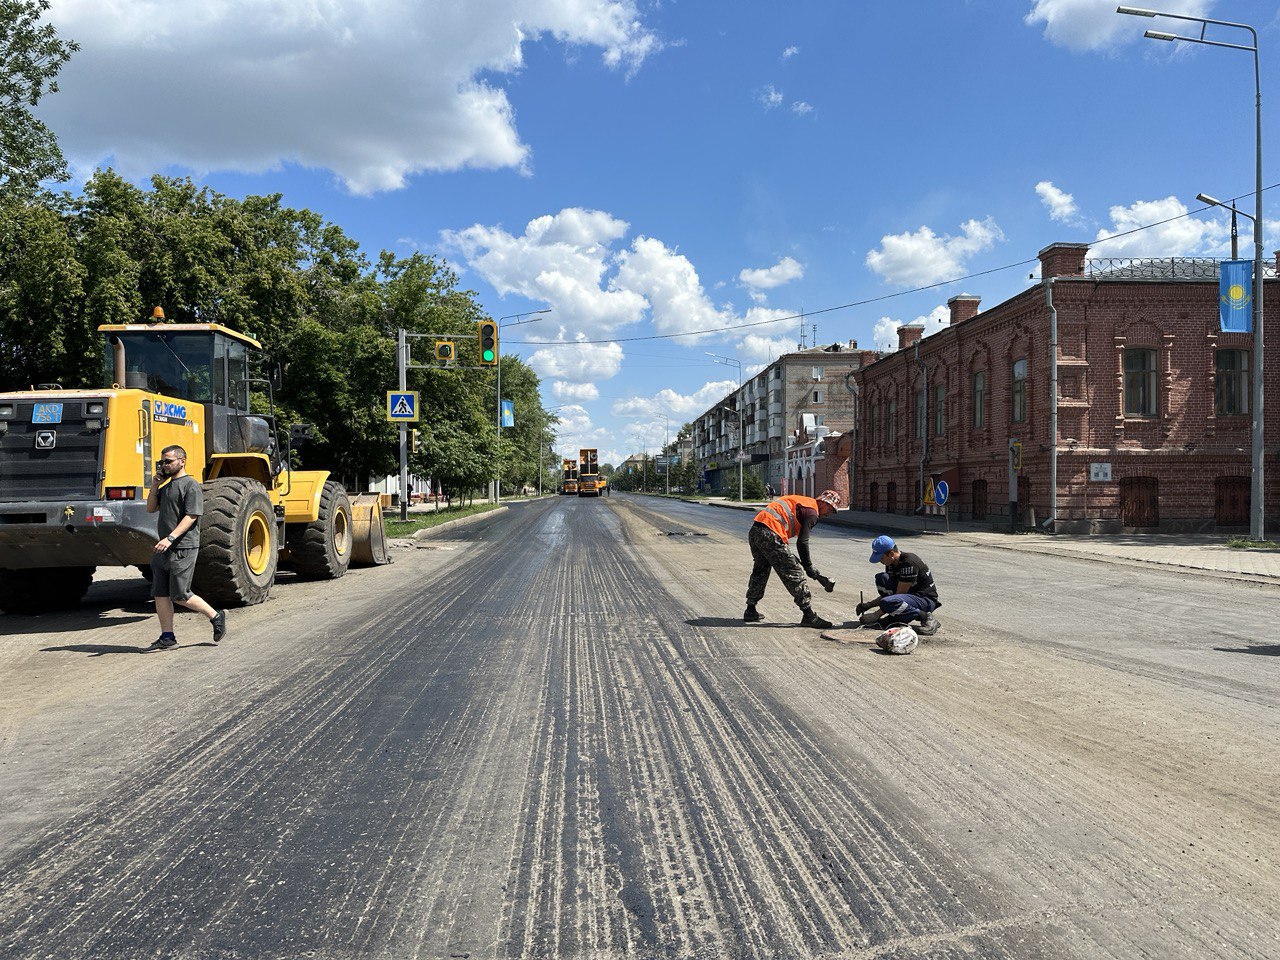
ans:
x=656 y=168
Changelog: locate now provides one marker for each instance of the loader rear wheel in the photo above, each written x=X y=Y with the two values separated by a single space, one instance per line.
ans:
x=238 y=544
x=43 y=589
x=321 y=550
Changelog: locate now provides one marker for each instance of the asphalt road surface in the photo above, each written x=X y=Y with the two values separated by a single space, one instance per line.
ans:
x=548 y=735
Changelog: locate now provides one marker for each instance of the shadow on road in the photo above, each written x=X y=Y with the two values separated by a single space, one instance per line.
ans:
x=19 y=625
x=1270 y=650
x=102 y=649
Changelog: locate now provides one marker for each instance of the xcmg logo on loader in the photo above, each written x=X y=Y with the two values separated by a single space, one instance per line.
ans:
x=170 y=413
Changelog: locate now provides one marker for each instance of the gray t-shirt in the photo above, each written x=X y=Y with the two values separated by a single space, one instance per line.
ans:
x=179 y=498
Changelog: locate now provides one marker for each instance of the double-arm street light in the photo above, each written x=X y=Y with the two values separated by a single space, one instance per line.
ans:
x=1257 y=501
x=742 y=447
x=497 y=462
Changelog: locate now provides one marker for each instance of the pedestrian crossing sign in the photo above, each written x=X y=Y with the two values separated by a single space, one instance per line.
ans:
x=402 y=406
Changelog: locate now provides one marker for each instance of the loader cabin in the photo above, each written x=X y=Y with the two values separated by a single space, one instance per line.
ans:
x=204 y=363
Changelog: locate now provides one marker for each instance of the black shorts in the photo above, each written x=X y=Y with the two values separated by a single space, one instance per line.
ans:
x=171 y=572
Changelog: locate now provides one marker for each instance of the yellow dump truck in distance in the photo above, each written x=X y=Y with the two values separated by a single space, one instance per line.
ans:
x=569 y=480
x=588 y=472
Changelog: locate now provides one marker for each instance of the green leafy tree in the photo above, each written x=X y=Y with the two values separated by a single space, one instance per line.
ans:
x=31 y=54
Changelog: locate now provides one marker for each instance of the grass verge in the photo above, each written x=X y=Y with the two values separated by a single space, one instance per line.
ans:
x=1244 y=543
x=422 y=521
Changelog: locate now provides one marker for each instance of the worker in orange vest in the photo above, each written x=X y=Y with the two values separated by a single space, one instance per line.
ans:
x=785 y=518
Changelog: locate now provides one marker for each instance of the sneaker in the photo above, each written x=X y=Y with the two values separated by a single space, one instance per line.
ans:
x=752 y=615
x=219 y=622
x=163 y=643
x=811 y=619
x=928 y=626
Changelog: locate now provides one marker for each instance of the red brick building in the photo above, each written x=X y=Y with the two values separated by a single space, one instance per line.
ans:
x=1154 y=422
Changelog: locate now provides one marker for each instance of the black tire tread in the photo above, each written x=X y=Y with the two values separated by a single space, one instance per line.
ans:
x=311 y=544
x=219 y=577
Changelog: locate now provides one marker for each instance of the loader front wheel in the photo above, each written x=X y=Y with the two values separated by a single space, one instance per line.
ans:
x=238 y=544
x=321 y=550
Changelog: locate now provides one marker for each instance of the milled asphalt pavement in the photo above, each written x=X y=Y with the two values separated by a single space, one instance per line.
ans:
x=1204 y=552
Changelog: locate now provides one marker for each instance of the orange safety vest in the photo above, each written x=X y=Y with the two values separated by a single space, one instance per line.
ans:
x=782 y=516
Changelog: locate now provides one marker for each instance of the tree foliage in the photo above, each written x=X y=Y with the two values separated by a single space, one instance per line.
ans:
x=287 y=277
x=31 y=54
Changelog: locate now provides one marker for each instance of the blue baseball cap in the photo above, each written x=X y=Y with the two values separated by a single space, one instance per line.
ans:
x=880 y=546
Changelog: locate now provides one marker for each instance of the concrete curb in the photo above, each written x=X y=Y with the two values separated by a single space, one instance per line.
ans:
x=428 y=532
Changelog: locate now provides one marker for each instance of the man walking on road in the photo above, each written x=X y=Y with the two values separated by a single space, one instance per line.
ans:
x=770 y=536
x=176 y=496
x=906 y=588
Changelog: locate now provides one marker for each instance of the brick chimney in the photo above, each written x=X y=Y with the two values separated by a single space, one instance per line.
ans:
x=909 y=334
x=1062 y=260
x=866 y=358
x=963 y=307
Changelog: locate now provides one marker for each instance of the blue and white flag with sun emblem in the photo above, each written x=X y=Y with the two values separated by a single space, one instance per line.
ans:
x=1235 y=295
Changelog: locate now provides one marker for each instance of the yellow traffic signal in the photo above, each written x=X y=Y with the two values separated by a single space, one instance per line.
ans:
x=488 y=343
x=445 y=350
x=413 y=441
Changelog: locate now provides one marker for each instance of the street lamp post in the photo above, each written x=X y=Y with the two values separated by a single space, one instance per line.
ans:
x=1257 y=504
x=497 y=463
x=732 y=362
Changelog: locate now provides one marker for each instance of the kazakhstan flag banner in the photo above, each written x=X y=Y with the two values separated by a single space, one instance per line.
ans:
x=508 y=413
x=1235 y=296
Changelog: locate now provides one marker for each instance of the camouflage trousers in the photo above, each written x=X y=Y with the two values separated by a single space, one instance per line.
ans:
x=770 y=553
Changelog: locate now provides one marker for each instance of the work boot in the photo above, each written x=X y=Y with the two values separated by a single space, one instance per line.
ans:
x=928 y=626
x=811 y=619
x=752 y=615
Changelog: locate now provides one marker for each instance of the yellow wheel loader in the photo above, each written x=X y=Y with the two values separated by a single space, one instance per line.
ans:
x=76 y=465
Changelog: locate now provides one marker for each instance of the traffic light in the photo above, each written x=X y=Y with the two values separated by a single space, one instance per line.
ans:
x=413 y=441
x=444 y=350
x=488 y=343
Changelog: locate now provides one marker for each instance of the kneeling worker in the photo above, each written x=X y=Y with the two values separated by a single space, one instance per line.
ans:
x=906 y=588
x=784 y=518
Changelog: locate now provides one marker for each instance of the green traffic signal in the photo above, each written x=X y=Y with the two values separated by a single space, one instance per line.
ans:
x=488 y=343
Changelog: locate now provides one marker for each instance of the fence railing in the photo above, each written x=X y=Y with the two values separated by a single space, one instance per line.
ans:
x=1160 y=268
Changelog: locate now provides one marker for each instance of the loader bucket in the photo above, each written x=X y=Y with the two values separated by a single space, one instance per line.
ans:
x=369 y=536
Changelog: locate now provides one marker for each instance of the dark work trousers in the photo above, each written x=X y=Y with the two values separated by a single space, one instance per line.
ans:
x=901 y=607
x=770 y=553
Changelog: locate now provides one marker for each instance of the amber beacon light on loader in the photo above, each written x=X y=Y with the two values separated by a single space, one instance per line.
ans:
x=76 y=467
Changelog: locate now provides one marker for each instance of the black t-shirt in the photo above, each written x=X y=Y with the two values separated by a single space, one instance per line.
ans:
x=179 y=498
x=911 y=569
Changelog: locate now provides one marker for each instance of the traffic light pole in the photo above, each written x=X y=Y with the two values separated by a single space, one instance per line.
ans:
x=402 y=366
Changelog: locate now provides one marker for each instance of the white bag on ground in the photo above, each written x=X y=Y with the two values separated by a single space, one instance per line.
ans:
x=897 y=640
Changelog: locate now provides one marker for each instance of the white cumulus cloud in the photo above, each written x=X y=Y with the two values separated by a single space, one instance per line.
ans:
x=1060 y=204
x=766 y=278
x=560 y=260
x=923 y=257
x=574 y=391
x=790 y=52
x=669 y=283
x=1094 y=24
x=800 y=108
x=885 y=335
x=578 y=362
x=1185 y=237
x=678 y=406
x=374 y=94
